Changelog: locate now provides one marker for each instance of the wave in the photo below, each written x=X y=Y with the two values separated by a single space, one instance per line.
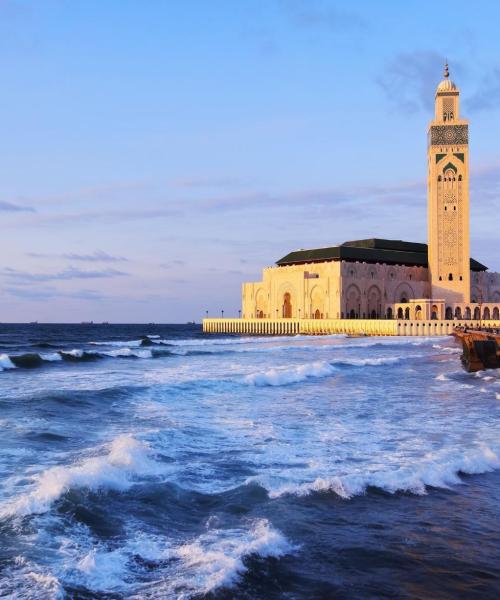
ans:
x=31 y=360
x=216 y=558
x=126 y=458
x=285 y=376
x=6 y=362
x=438 y=470
x=278 y=376
x=125 y=344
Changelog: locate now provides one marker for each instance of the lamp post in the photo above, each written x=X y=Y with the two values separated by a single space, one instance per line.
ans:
x=239 y=314
x=222 y=312
x=480 y=301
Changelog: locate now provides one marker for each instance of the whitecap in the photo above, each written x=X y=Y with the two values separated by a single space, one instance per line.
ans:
x=125 y=459
x=51 y=356
x=127 y=352
x=286 y=375
x=5 y=362
x=440 y=470
x=215 y=559
x=76 y=352
x=128 y=344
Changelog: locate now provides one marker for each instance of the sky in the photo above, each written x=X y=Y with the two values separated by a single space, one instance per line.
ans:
x=154 y=155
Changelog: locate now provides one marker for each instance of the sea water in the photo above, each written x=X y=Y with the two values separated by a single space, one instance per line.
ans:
x=158 y=462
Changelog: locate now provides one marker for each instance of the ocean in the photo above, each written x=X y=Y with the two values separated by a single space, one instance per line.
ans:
x=152 y=461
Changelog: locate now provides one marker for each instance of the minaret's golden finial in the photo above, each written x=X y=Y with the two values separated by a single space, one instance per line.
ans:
x=446 y=71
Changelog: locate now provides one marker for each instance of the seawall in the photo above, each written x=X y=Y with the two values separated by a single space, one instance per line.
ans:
x=333 y=326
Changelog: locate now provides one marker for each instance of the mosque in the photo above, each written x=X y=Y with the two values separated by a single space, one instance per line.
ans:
x=391 y=280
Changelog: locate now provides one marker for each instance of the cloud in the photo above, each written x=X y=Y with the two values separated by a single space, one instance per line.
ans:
x=97 y=256
x=173 y=263
x=405 y=192
x=48 y=293
x=23 y=277
x=321 y=14
x=482 y=101
x=211 y=182
x=110 y=217
x=410 y=79
x=9 y=207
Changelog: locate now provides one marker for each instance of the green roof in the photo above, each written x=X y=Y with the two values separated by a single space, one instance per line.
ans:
x=373 y=250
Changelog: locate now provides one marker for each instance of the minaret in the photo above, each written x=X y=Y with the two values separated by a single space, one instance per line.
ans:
x=448 y=197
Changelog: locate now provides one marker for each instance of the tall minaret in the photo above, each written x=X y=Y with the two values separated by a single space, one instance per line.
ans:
x=448 y=197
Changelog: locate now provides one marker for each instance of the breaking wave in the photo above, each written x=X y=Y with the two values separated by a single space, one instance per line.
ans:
x=216 y=558
x=437 y=470
x=287 y=375
x=125 y=459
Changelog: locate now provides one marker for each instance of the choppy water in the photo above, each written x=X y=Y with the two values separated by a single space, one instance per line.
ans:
x=184 y=466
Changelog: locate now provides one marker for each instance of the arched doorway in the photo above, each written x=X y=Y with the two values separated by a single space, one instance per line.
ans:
x=486 y=314
x=434 y=312
x=260 y=314
x=458 y=312
x=287 y=306
x=496 y=313
x=477 y=313
x=467 y=312
x=353 y=301
x=407 y=314
x=448 y=314
x=317 y=314
x=389 y=313
x=400 y=313
x=418 y=312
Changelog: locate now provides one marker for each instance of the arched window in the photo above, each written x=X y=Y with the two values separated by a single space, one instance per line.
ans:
x=450 y=277
x=418 y=312
x=400 y=313
x=467 y=312
x=496 y=313
x=486 y=314
x=407 y=314
x=449 y=313
x=458 y=312
x=477 y=313
x=389 y=313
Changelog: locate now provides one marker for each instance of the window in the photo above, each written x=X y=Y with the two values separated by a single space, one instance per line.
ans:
x=450 y=277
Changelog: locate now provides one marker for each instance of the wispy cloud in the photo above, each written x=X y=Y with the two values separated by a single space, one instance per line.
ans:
x=481 y=100
x=97 y=256
x=410 y=78
x=111 y=217
x=66 y=275
x=322 y=14
x=10 y=207
x=43 y=293
x=172 y=264
x=211 y=182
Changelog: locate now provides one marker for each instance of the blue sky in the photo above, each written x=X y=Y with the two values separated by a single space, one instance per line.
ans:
x=156 y=154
